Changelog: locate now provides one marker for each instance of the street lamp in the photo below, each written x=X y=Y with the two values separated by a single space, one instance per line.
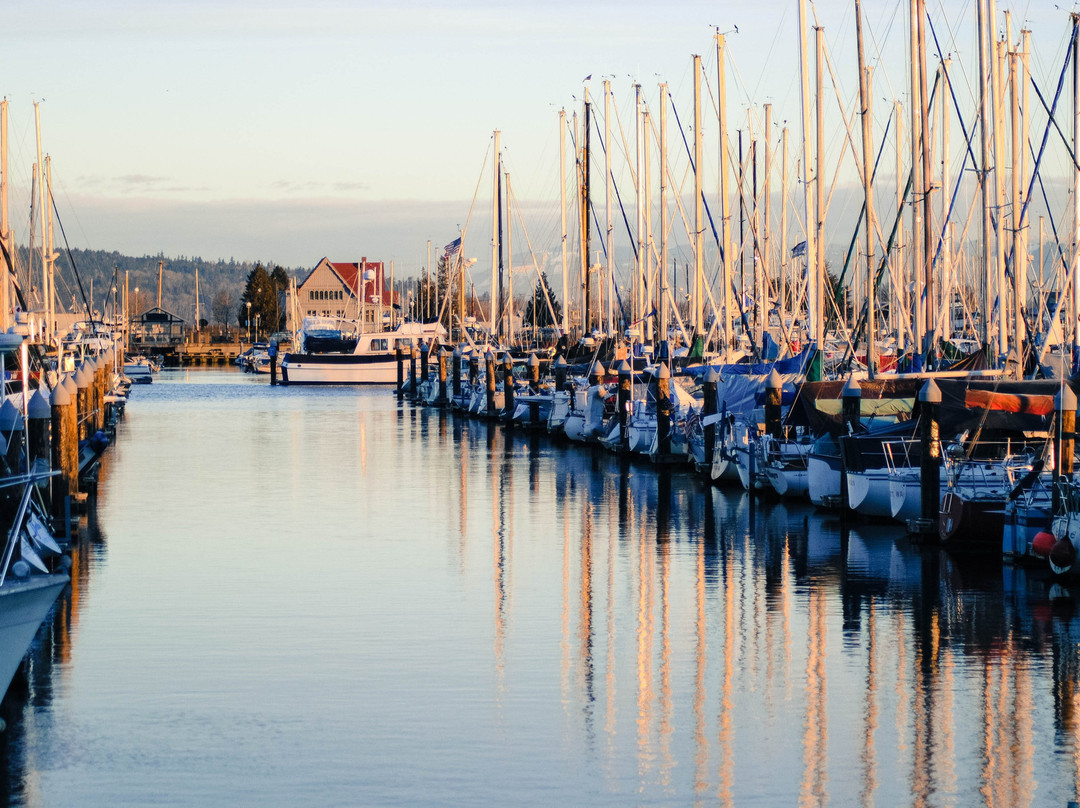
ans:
x=249 y=320
x=256 y=327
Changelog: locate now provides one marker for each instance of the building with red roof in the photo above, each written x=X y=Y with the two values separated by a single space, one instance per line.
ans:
x=336 y=289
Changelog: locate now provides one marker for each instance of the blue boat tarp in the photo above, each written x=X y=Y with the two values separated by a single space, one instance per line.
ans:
x=793 y=364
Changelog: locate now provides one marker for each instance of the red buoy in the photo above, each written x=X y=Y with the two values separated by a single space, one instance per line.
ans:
x=1043 y=543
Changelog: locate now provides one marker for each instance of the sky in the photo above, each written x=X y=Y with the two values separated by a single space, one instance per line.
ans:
x=286 y=131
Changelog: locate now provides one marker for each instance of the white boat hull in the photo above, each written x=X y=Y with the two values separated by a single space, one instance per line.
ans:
x=338 y=369
x=823 y=481
x=24 y=604
x=869 y=494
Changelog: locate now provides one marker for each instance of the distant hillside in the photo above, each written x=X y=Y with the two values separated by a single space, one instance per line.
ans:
x=221 y=283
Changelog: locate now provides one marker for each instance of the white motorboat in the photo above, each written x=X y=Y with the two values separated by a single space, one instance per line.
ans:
x=139 y=370
x=329 y=355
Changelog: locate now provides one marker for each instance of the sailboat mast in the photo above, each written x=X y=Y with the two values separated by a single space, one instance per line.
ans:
x=510 y=268
x=5 y=224
x=495 y=251
x=819 y=190
x=46 y=291
x=1075 y=273
x=808 y=198
x=585 y=215
x=984 y=177
x=699 y=224
x=759 y=285
x=562 y=212
x=929 y=317
x=500 y=330
x=866 y=104
x=609 y=280
x=725 y=215
x=645 y=281
x=996 y=64
x=639 y=207
x=784 y=255
x=1019 y=264
x=766 y=232
x=661 y=300
x=948 y=272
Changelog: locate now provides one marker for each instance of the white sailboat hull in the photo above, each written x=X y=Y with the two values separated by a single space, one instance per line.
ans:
x=24 y=604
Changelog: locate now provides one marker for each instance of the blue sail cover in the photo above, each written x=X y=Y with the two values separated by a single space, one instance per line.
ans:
x=793 y=364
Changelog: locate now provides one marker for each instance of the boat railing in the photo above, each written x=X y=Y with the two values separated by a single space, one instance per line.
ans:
x=898 y=449
x=30 y=483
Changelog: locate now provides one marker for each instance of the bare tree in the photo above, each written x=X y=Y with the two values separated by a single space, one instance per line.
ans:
x=223 y=306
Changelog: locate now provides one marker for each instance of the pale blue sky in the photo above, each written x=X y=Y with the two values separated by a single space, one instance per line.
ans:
x=289 y=131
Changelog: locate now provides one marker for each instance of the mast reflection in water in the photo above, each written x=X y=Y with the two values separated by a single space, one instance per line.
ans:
x=324 y=597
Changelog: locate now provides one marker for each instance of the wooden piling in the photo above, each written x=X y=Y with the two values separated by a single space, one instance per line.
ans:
x=82 y=401
x=65 y=450
x=399 y=354
x=773 y=398
x=851 y=405
x=626 y=385
x=663 y=411
x=596 y=373
x=559 y=369
x=457 y=373
x=272 y=350
x=1064 y=442
x=414 y=355
x=851 y=411
x=38 y=426
x=442 y=401
x=425 y=354
x=712 y=380
x=930 y=461
x=508 y=389
x=533 y=368
x=489 y=368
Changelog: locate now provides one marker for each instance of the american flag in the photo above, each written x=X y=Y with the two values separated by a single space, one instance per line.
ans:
x=454 y=247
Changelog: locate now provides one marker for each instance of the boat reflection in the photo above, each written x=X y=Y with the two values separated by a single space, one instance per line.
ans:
x=707 y=626
x=26 y=707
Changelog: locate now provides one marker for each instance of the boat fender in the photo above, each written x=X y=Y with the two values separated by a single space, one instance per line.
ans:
x=99 y=441
x=1062 y=556
x=20 y=569
x=1043 y=543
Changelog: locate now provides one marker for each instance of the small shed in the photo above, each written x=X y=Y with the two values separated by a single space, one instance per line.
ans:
x=156 y=329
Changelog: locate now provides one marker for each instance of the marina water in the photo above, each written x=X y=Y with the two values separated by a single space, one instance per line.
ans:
x=315 y=596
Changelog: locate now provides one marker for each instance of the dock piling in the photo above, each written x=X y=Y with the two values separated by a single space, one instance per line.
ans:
x=508 y=389
x=930 y=461
x=626 y=383
x=399 y=354
x=712 y=379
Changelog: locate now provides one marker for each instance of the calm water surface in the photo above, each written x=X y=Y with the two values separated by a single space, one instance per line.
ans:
x=319 y=597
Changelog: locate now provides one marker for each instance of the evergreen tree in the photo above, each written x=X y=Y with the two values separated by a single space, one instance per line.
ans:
x=258 y=301
x=537 y=314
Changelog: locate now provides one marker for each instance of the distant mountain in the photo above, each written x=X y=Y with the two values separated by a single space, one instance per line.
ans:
x=221 y=283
